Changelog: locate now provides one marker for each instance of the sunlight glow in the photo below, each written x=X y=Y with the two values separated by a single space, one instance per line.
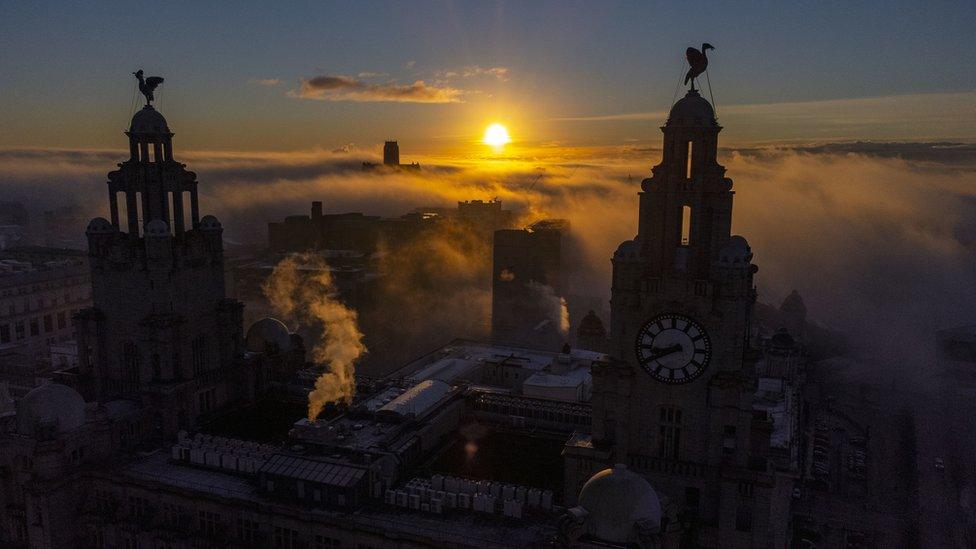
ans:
x=497 y=136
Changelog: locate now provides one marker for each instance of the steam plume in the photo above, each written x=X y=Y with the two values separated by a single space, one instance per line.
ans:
x=301 y=289
x=555 y=306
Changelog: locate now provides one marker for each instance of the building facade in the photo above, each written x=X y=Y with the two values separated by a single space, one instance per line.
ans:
x=678 y=403
x=160 y=328
x=40 y=291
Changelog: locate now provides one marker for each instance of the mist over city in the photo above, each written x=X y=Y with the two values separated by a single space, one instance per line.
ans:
x=487 y=275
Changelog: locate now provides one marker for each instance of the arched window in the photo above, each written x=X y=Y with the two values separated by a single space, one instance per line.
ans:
x=685 y=225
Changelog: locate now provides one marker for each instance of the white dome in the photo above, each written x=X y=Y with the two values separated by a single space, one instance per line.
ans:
x=267 y=334
x=53 y=403
x=616 y=500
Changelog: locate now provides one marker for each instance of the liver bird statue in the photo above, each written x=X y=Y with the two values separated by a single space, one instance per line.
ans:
x=148 y=85
x=698 y=61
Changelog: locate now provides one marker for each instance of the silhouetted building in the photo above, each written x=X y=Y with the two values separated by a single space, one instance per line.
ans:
x=391 y=159
x=680 y=403
x=366 y=233
x=591 y=334
x=160 y=329
x=527 y=307
x=391 y=154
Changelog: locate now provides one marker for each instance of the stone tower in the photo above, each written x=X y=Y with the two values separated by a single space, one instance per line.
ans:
x=161 y=329
x=676 y=401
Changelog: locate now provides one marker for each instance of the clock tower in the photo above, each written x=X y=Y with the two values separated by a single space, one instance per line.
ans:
x=675 y=402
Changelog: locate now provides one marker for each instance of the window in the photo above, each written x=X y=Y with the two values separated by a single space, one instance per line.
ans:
x=208 y=522
x=19 y=329
x=4 y=333
x=34 y=327
x=688 y=161
x=728 y=440
x=685 y=225
x=130 y=357
x=48 y=324
x=62 y=321
x=325 y=542
x=669 y=433
x=156 y=366
x=247 y=530
x=743 y=519
x=285 y=537
x=199 y=349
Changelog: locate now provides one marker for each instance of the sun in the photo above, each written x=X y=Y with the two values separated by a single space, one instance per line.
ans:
x=497 y=136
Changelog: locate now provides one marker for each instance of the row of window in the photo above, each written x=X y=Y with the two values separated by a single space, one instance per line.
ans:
x=19 y=329
x=39 y=303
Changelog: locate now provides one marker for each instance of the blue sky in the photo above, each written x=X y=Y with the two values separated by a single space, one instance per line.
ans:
x=65 y=70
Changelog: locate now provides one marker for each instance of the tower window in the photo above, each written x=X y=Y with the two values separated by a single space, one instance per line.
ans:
x=669 y=433
x=688 y=161
x=685 y=225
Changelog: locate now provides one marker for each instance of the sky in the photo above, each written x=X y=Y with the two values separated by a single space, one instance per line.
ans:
x=304 y=76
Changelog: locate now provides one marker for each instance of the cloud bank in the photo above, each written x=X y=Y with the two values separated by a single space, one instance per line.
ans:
x=878 y=238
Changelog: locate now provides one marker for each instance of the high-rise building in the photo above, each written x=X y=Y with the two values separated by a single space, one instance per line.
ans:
x=526 y=305
x=160 y=327
x=677 y=404
x=391 y=153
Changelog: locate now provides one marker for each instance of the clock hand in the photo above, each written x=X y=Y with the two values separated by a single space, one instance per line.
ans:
x=665 y=351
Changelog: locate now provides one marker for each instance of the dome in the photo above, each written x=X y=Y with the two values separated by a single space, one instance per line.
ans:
x=591 y=324
x=628 y=249
x=54 y=404
x=210 y=223
x=100 y=225
x=616 y=500
x=736 y=252
x=267 y=335
x=692 y=110
x=149 y=121
x=157 y=227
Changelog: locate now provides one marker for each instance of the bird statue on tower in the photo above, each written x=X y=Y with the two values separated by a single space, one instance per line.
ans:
x=148 y=85
x=698 y=61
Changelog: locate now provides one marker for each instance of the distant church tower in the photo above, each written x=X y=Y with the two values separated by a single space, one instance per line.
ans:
x=391 y=153
x=161 y=329
x=675 y=403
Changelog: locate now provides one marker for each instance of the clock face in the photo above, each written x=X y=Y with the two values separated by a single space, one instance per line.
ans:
x=673 y=348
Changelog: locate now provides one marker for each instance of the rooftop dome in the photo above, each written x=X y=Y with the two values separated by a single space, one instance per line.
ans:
x=53 y=404
x=591 y=324
x=692 y=110
x=157 y=227
x=628 y=249
x=100 y=225
x=149 y=121
x=267 y=335
x=736 y=252
x=616 y=500
x=209 y=223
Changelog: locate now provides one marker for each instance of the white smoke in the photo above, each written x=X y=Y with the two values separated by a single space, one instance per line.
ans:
x=301 y=289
